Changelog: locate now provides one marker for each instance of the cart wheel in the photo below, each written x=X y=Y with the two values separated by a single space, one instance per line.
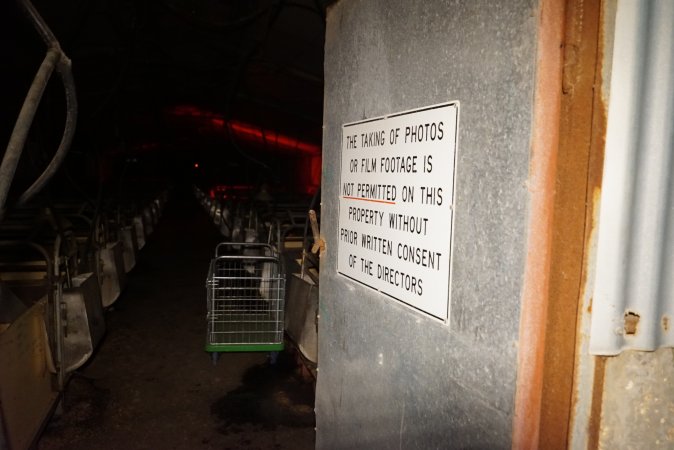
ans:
x=214 y=358
x=273 y=358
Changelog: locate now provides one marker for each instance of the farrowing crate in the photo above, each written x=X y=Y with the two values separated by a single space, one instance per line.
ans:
x=245 y=299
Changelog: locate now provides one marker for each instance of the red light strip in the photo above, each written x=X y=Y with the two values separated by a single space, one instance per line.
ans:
x=248 y=131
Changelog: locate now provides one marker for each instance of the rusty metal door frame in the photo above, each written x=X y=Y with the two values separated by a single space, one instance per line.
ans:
x=565 y=178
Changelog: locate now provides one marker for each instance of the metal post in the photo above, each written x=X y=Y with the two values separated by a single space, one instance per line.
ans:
x=18 y=138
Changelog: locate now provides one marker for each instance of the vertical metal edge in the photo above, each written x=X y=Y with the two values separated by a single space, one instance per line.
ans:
x=571 y=217
x=588 y=375
x=541 y=184
x=457 y=105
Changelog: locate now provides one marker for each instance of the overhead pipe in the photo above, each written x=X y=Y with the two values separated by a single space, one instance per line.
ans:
x=17 y=140
x=55 y=58
x=269 y=139
x=66 y=138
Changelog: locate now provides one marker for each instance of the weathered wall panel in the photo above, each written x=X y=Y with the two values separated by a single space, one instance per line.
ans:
x=638 y=405
x=633 y=302
x=389 y=376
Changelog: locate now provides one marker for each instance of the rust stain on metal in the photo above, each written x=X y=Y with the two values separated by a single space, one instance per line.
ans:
x=594 y=424
x=594 y=181
x=542 y=173
x=665 y=323
x=631 y=323
x=573 y=217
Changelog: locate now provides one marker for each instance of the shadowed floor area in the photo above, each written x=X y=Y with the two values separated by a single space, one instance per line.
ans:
x=151 y=385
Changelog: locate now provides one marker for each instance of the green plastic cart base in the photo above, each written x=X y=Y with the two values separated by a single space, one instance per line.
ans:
x=216 y=349
x=224 y=348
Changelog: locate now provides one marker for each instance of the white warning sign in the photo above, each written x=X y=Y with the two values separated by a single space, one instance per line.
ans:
x=396 y=205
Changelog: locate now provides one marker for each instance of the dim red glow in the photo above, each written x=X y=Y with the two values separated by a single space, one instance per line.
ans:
x=186 y=110
x=269 y=139
x=237 y=191
x=234 y=187
x=316 y=169
x=309 y=173
x=196 y=165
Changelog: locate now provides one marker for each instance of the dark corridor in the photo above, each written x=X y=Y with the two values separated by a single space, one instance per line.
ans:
x=109 y=109
x=151 y=385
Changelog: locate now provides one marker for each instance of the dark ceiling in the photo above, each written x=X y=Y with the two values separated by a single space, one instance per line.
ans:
x=139 y=65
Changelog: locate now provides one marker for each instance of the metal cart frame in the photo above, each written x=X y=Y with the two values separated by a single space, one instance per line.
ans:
x=245 y=299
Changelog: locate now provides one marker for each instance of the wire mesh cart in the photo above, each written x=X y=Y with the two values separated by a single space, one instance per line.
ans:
x=245 y=296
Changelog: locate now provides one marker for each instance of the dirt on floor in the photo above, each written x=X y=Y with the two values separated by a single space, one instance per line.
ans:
x=151 y=385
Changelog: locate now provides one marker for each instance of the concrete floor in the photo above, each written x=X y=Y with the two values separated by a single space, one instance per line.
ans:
x=151 y=385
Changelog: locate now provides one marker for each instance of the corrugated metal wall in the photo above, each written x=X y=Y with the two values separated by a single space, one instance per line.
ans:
x=633 y=306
